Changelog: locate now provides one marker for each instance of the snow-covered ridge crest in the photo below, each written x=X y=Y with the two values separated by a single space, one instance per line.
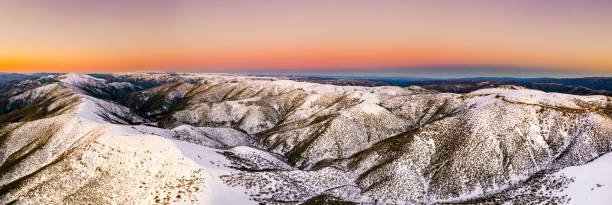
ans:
x=79 y=78
x=537 y=97
x=86 y=84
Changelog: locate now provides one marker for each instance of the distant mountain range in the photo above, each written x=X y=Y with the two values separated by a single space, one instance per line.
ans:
x=5 y=77
x=576 y=86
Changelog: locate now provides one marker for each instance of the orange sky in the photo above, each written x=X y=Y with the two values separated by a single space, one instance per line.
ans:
x=184 y=35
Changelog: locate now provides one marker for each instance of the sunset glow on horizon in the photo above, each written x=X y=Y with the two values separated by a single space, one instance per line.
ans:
x=189 y=35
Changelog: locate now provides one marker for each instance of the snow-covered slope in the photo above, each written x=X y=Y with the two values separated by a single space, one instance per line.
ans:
x=217 y=139
x=67 y=160
x=591 y=182
x=62 y=145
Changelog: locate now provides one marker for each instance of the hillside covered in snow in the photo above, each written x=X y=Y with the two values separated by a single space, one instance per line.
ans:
x=148 y=138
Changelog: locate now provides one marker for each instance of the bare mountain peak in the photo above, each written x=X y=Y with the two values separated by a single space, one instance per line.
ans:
x=78 y=78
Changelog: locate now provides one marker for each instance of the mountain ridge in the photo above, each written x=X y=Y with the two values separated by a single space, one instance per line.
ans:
x=387 y=144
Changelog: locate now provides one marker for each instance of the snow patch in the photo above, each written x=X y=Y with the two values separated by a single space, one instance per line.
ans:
x=593 y=181
x=215 y=166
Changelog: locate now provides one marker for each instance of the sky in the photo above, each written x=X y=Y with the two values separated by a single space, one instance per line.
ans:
x=564 y=36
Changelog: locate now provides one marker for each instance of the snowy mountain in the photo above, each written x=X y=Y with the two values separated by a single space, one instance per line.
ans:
x=217 y=138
